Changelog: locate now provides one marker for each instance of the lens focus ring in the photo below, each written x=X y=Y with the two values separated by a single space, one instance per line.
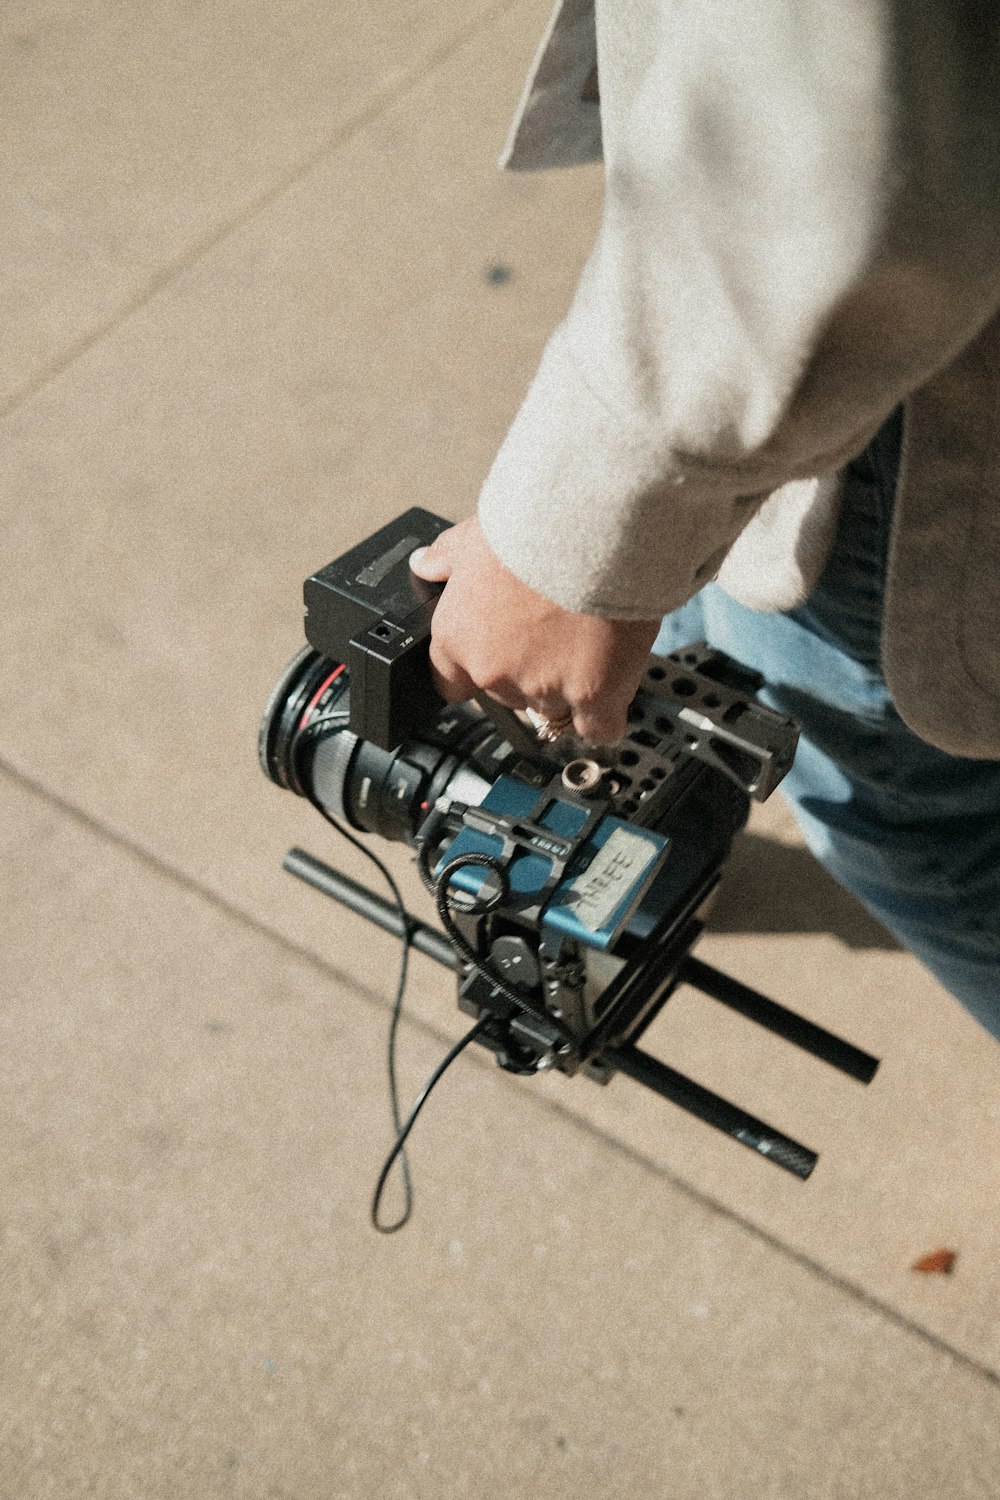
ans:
x=330 y=767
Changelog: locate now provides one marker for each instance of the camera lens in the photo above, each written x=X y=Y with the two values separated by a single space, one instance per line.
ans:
x=309 y=688
x=306 y=745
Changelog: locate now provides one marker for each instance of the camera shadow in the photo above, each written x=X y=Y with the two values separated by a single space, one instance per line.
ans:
x=773 y=887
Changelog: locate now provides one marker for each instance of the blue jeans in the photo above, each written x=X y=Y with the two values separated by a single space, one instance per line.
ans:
x=912 y=831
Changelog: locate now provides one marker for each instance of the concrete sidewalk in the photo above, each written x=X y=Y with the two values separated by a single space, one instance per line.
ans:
x=252 y=307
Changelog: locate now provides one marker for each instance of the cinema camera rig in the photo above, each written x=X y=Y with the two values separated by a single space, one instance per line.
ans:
x=569 y=885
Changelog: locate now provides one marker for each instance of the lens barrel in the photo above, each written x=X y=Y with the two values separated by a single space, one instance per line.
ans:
x=290 y=709
x=306 y=746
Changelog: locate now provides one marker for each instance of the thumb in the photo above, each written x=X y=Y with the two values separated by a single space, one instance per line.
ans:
x=433 y=563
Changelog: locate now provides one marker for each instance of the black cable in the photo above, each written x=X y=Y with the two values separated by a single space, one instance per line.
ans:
x=313 y=729
x=309 y=729
x=403 y=1128
x=421 y=1099
x=397 y=1011
x=440 y=885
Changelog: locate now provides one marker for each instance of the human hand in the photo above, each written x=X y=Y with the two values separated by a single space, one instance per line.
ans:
x=492 y=634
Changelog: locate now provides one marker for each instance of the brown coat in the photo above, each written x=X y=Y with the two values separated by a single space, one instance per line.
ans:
x=801 y=229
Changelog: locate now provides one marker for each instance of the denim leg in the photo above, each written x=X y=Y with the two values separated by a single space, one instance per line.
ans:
x=912 y=831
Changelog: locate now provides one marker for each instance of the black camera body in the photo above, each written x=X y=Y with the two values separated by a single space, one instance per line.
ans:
x=570 y=886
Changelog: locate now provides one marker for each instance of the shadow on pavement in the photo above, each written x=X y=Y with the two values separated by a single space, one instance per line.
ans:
x=772 y=887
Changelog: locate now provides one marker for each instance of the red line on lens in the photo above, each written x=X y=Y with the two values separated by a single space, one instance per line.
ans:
x=319 y=693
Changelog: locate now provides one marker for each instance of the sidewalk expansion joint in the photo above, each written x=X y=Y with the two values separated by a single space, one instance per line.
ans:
x=160 y=279
x=179 y=877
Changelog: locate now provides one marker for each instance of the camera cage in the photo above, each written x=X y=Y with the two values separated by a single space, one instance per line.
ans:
x=572 y=893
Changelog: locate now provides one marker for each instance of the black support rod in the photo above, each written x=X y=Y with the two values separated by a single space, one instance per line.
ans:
x=713 y=1109
x=358 y=898
x=663 y=1080
x=784 y=1023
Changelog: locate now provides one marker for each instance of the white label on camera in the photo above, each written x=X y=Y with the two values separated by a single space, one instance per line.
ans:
x=610 y=877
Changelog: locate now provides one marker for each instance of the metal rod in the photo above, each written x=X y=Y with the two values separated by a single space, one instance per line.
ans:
x=784 y=1023
x=663 y=1080
x=713 y=1109
x=359 y=899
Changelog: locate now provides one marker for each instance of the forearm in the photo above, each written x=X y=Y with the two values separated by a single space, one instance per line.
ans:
x=800 y=227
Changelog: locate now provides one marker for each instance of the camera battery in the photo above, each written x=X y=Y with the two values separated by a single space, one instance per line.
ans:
x=606 y=877
x=369 y=610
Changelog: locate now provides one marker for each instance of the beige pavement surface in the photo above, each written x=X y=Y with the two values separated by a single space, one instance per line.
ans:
x=248 y=314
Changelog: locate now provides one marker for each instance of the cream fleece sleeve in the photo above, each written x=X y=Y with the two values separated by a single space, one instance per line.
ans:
x=799 y=227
